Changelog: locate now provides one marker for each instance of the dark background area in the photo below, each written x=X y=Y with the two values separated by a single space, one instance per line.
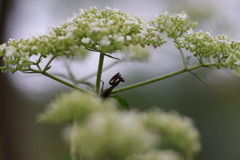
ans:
x=215 y=109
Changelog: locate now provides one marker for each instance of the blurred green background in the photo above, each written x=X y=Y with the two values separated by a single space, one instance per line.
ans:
x=215 y=109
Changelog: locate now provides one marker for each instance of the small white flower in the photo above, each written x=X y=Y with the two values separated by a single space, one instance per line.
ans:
x=67 y=52
x=34 y=47
x=130 y=22
x=45 y=39
x=209 y=35
x=86 y=40
x=190 y=31
x=20 y=45
x=128 y=38
x=3 y=46
x=82 y=11
x=95 y=28
x=104 y=41
x=108 y=8
x=10 y=51
x=237 y=62
x=97 y=46
x=200 y=36
x=69 y=34
x=61 y=37
x=223 y=41
x=207 y=43
x=182 y=15
x=115 y=10
x=119 y=39
x=109 y=23
x=70 y=28
x=51 y=33
x=150 y=27
x=142 y=34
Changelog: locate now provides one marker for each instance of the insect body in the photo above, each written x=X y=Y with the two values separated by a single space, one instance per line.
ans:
x=114 y=82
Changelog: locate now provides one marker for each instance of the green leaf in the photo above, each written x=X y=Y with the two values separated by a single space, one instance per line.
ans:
x=122 y=102
x=111 y=56
x=187 y=59
x=200 y=78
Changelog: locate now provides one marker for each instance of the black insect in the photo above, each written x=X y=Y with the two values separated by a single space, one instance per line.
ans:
x=114 y=82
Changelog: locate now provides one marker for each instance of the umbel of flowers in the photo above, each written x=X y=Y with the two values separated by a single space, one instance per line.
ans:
x=111 y=30
x=106 y=31
x=218 y=51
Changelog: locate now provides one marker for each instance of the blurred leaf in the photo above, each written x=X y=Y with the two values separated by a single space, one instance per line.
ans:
x=188 y=59
x=200 y=78
x=111 y=56
x=122 y=102
x=66 y=157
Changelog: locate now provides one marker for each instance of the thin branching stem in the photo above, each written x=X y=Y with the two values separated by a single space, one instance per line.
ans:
x=182 y=55
x=57 y=79
x=48 y=64
x=157 y=78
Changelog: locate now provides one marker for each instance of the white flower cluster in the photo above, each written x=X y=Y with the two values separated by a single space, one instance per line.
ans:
x=173 y=25
x=175 y=131
x=101 y=131
x=218 y=51
x=111 y=30
x=113 y=135
x=74 y=106
x=106 y=31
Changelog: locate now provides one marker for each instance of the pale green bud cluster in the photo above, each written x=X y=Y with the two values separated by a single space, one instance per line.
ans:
x=173 y=25
x=101 y=131
x=176 y=131
x=74 y=106
x=113 y=136
x=218 y=51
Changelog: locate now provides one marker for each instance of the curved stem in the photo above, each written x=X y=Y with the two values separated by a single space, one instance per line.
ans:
x=157 y=79
x=57 y=79
x=99 y=72
x=63 y=82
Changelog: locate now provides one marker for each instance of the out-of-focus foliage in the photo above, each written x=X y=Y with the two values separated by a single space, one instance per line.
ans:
x=97 y=124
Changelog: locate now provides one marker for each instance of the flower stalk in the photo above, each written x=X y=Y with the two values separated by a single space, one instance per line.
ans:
x=99 y=72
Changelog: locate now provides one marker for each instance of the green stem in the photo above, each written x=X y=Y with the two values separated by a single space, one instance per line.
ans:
x=73 y=149
x=57 y=79
x=47 y=65
x=71 y=76
x=183 y=58
x=182 y=55
x=104 y=69
x=157 y=79
x=63 y=82
x=99 y=72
